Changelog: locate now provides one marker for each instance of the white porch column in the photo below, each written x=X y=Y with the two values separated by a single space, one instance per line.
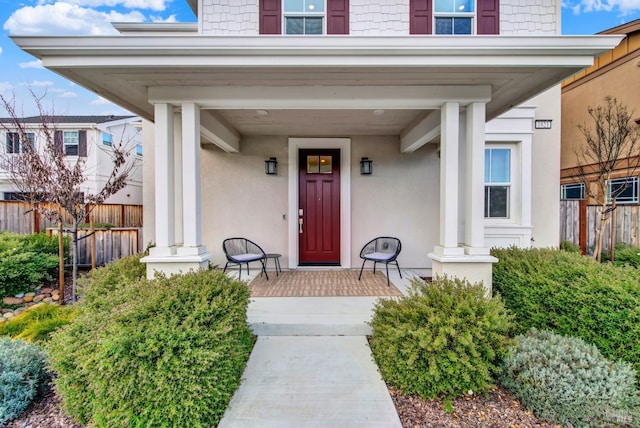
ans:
x=191 y=199
x=164 y=178
x=449 y=153
x=474 y=215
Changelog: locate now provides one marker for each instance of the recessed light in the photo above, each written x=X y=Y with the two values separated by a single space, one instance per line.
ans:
x=378 y=112
x=262 y=112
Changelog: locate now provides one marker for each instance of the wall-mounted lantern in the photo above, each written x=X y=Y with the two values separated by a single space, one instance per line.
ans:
x=271 y=166
x=366 y=166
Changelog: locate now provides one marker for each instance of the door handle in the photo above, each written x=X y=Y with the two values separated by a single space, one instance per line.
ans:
x=300 y=222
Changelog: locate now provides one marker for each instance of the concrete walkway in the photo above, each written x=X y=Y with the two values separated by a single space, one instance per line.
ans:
x=312 y=366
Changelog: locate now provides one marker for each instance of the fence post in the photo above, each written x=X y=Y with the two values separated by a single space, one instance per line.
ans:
x=582 y=239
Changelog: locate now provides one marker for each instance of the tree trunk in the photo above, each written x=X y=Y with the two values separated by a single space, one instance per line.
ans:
x=597 y=252
x=613 y=231
x=61 y=261
x=74 y=238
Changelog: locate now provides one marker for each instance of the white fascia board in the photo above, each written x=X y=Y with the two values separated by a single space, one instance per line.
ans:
x=320 y=97
x=156 y=28
x=319 y=51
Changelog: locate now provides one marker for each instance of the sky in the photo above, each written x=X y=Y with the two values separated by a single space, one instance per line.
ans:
x=20 y=72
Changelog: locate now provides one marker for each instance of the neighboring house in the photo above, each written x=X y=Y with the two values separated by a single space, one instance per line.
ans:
x=90 y=137
x=615 y=74
x=424 y=89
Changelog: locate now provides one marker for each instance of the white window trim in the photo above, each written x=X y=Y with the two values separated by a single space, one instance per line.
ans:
x=65 y=144
x=633 y=183
x=508 y=184
x=517 y=192
x=563 y=191
x=32 y=142
x=472 y=15
x=322 y=15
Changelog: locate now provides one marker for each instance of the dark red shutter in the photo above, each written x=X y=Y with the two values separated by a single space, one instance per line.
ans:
x=82 y=143
x=488 y=17
x=270 y=16
x=337 y=16
x=57 y=140
x=420 y=16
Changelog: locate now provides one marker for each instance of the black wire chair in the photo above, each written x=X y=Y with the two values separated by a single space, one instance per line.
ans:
x=383 y=249
x=241 y=251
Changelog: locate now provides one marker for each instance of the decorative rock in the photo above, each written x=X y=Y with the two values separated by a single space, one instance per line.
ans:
x=29 y=294
x=46 y=291
x=39 y=298
x=48 y=300
x=12 y=301
x=20 y=296
x=8 y=315
x=55 y=297
x=19 y=310
x=28 y=299
x=54 y=292
x=37 y=305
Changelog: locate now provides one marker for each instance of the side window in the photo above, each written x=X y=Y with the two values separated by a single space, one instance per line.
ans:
x=107 y=139
x=71 y=141
x=304 y=16
x=624 y=190
x=572 y=191
x=497 y=182
x=454 y=17
x=16 y=144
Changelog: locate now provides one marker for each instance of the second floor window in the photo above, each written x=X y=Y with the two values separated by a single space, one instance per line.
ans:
x=304 y=16
x=15 y=144
x=454 y=16
x=107 y=139
x=71 y=141
x=572 y=191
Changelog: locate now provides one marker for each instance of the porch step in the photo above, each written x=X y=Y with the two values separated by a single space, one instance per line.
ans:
x=311 y=316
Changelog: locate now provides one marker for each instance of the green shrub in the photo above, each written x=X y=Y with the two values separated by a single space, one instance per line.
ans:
x=22 y=374
x=36 y=324
x=26 y=261
x=167 y=352
x=441 y=340
x=570 y=247
x=566 y=381
x=572 y=295
x=117 y=274
x=625 y=255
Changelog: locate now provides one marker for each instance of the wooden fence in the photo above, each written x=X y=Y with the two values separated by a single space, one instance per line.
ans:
x=111 y=244
x=20 y=217
x=626 y=221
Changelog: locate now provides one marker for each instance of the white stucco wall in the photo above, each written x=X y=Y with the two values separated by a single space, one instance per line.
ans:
x=375 y=17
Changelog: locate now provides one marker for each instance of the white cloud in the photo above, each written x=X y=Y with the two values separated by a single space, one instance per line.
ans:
x=0 y=50
x=100 y=102
x=31 y=64
x=171 y=18
x=38 y=83
x=5 y=87
x=68 y=95
x=129 y=4
x=624 y=7
x=68 y=19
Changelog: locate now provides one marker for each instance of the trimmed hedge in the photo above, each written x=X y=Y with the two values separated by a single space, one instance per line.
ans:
x=22 y=374
x=566 y=381
x=572 y=295
x=443 y=339
x=26 y=261
x=167 y=352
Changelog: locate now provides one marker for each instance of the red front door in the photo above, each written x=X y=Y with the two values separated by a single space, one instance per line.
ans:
x=319 y=207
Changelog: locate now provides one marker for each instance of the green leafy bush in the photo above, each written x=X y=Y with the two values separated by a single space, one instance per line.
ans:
x=22 y=374
x=167 y=352
x=570 y=247
x=625 y=255
x=566 y=381
x=441 y=340
x=572 y=295
x=26 y=261
x=117 y=274
x=36 y=324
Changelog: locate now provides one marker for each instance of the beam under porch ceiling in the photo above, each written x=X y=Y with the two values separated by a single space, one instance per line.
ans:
x=321 y=97
x=420 y=133
x=216 y=131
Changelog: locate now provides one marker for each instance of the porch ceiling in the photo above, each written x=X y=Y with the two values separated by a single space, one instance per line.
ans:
x=123 y=69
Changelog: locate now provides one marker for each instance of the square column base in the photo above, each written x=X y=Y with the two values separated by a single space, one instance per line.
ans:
x=475 y=269
x=175 y=264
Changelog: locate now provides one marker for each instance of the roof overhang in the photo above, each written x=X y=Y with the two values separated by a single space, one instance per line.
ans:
x=126 y=69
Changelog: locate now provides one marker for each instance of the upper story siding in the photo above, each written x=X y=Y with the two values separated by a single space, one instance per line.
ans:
x=380 y=17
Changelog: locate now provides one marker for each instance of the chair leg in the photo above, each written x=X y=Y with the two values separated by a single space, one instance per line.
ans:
x=387 y=266
x=239 y=271
x=360 y=276
x=374 y=267
x=264 y=269
x=225 y=267
x=399 y=269
x=248 y=272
